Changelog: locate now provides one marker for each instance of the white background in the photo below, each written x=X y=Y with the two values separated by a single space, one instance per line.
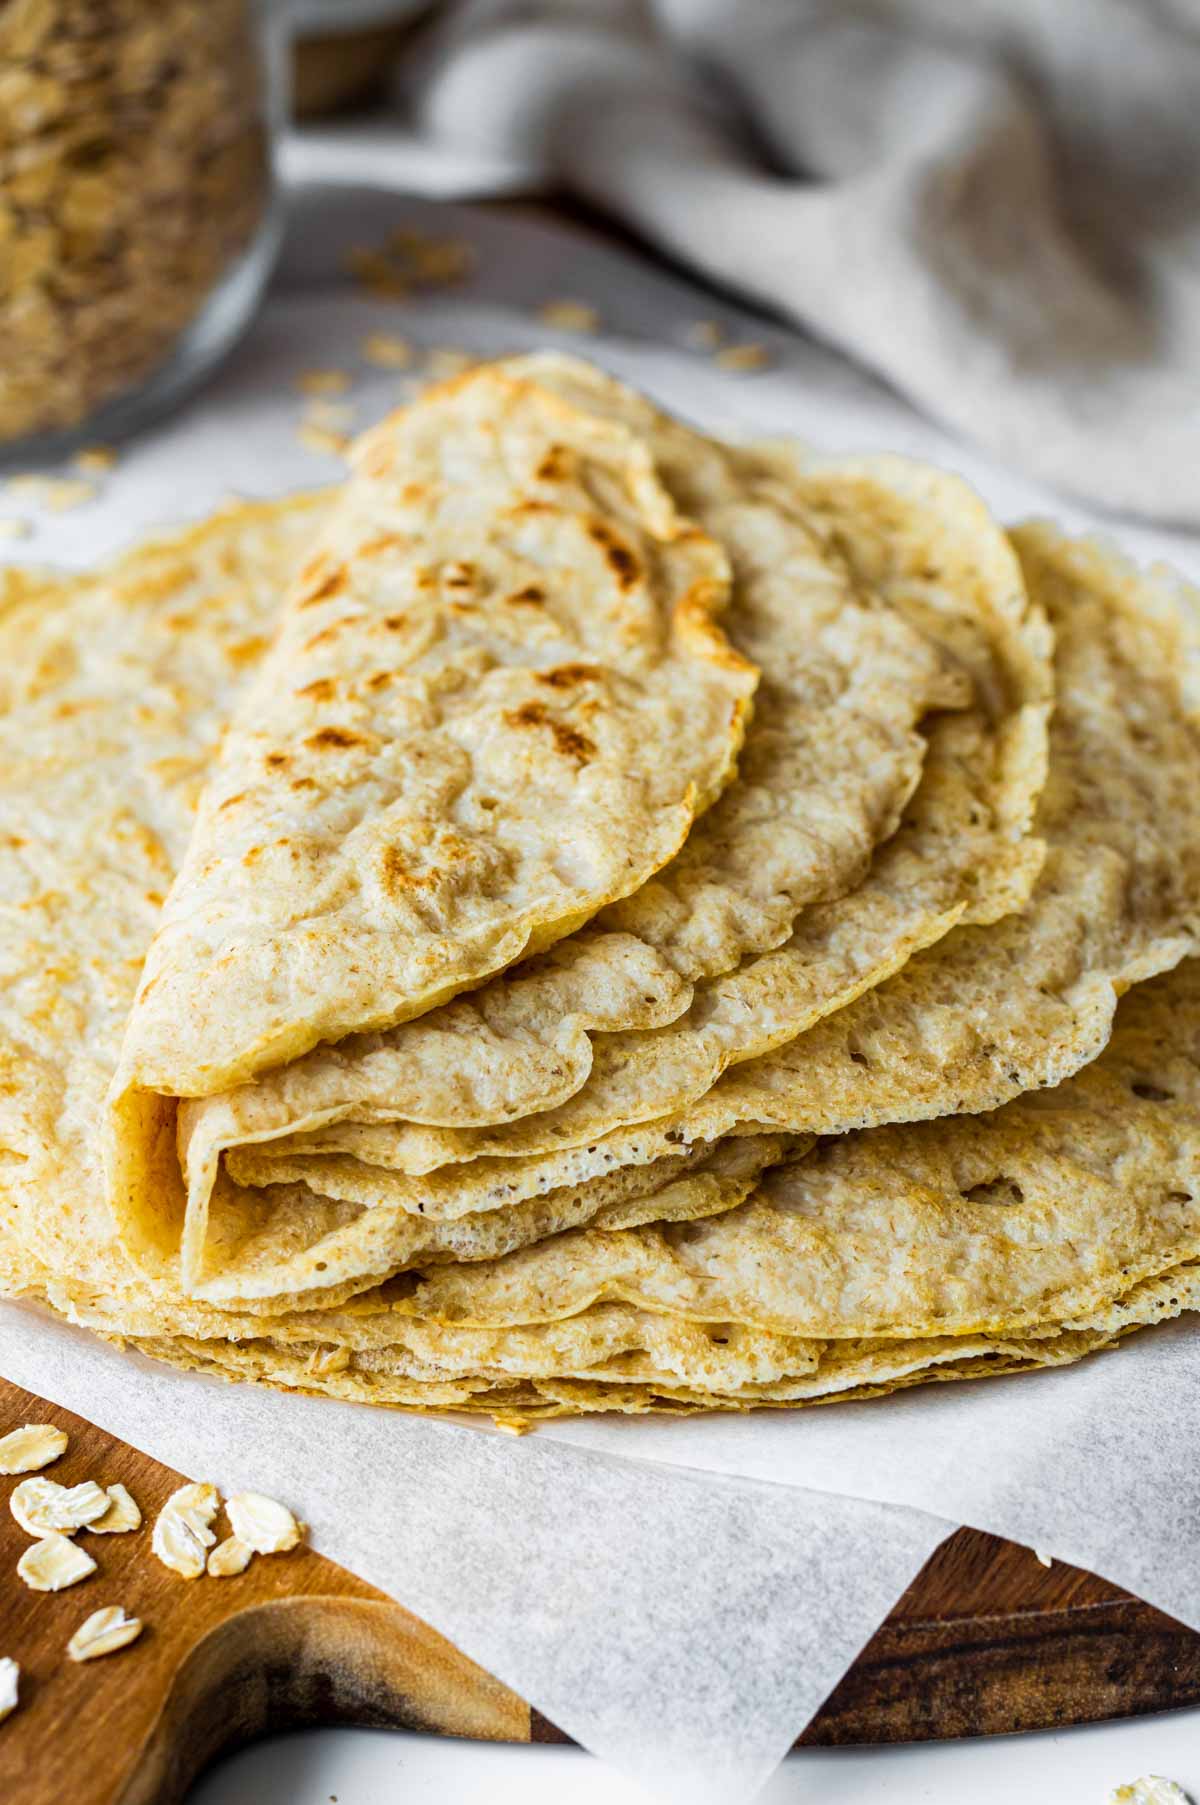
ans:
x=371 y=1767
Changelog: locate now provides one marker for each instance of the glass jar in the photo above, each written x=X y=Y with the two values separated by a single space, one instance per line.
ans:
x=138 y=217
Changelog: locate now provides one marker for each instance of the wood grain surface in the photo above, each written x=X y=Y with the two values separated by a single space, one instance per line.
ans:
x=984 y=1640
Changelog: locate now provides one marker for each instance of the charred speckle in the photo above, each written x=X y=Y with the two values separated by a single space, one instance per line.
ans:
x=620 y=559
x=568 y=740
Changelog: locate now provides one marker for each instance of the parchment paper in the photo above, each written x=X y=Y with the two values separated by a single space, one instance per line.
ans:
x=680 y=1596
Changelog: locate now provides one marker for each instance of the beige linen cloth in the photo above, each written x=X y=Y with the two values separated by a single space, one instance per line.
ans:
x=995 y=204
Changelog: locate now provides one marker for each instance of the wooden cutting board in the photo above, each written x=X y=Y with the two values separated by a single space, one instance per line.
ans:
x=984 y=1640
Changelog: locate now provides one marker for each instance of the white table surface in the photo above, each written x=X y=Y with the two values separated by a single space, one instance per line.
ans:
x=379 y=1767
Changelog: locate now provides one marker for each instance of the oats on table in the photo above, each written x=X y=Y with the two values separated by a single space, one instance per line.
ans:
x=387 y=352
x=569 y=316
x=265 y=1525
x=744 y=357
x=103 y=1633
x=182 y=1533
x=40 y=1505
x=121 y=1516
x=53 y=1563
x=10 y=1675
x=33 y=1446
x=229 y=1557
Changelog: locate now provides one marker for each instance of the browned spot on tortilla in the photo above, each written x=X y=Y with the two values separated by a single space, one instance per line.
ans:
x=395 y=876
x=380 y=680
x=531 y=595
x=246 y=651
x=321 y=689
x=154 y=898
x=395 y=623
x=384 y=542
x=327 y=633
x=566 y=676
x=459 y=576
x=555 y=466
x=414 y=492
x=232 y=801
x=567 y=740
x=305 y=783
x=340 y=738
x=530 y=507
x=276 y=760
x=253 y=856
x=618 y=556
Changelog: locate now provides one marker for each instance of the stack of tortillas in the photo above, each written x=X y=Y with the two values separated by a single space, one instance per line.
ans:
x=588 y=917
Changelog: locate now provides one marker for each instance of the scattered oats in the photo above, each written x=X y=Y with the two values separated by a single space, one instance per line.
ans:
x=54 y=1563
x=388 y=352
x=13 y=528
x=336 y=415
x=103 y=1633
x=435 y=262
x=56 y=493
x=569 y=316
x=40 y=1506
x=744 y=357
x=122 y=1514
x=10 y=1674
x=1043 y=1558
x=704 y=335
x=325 y=1360
x=229 y=1557
x=264 y=1525
x=375 y=274
x=323 y=382
x=513 y=1425
x=445 y=361
x=322 y=439
x=1151 y=1789
x=31 y=1447
x=182 y=1532
x=95 y=460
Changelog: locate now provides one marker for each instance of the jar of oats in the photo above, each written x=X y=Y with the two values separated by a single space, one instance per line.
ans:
x=137 y=217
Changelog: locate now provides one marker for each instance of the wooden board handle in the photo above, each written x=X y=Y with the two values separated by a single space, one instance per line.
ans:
x=984 y=1640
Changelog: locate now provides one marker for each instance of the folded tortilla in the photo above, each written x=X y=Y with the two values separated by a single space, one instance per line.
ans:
x=923 y=558
x=495 y=699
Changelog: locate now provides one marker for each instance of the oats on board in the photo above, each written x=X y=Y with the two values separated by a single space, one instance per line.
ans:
x=569 y=316
x=134 y=172
x=54 y=1563
x=387 y=352
x=103 y=1633
x=263 y=1524
x=121 y=1516
x=10 y=1675
x=40 y=1505
x=335 y=415
x=33 y=1446
x=11 y=527
x=229 y=1557
x=182 y=1533
x=744 y=357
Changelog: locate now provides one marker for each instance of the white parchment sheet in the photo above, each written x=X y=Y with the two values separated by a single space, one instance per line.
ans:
x=681 y=1594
